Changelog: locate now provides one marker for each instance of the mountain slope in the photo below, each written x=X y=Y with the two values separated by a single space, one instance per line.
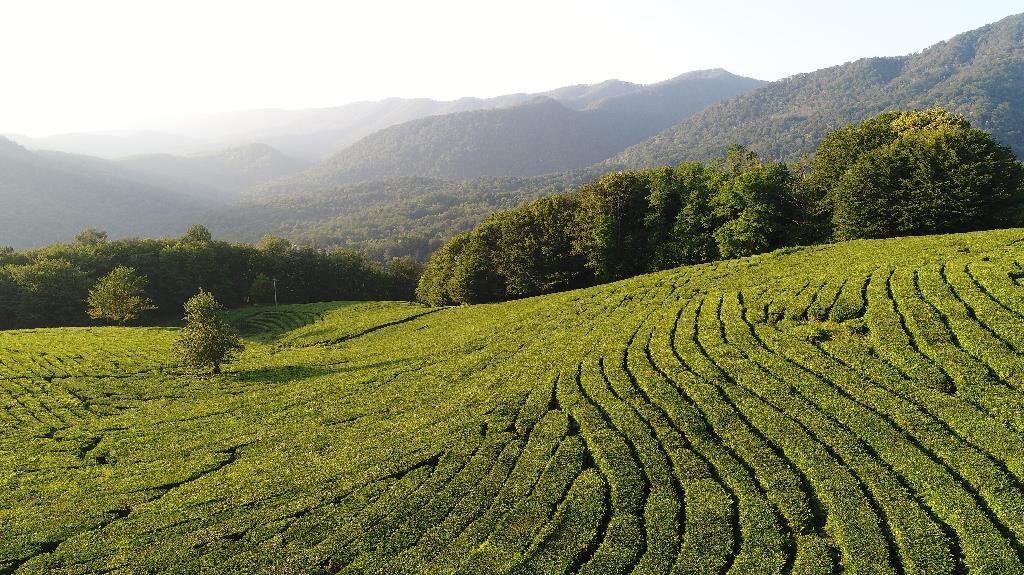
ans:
x=849 y=408
x=538 y=137
x=50 y=196
x=979 y=74
x=310 y=134
x=394 y=217
x=225 y=174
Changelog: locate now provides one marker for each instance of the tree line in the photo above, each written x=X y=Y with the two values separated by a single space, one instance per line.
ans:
x=900 y=173
x=63 y=284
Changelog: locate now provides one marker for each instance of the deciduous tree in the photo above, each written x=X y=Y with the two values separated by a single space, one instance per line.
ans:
x=119 y=296
x=206 y=341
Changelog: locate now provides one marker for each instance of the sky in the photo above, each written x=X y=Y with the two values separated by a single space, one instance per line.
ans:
x=74 y=65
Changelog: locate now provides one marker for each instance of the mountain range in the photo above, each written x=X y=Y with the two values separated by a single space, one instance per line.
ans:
x=401 y=175
x=541 y=136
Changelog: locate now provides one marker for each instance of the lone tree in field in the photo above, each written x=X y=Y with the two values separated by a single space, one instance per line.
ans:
x=118 y=296
x=205 y=341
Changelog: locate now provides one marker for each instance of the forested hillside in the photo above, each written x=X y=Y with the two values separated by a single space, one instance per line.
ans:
x=979 y=74
x=898 y=174
x=386 y=218
x=48 y=196
x=53 y=286
x=537 y=137
x=853 y=408
x=225 y=174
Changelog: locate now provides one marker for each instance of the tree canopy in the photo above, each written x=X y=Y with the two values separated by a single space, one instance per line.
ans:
x=910 y=173
x=900 y=173
x=50 y=286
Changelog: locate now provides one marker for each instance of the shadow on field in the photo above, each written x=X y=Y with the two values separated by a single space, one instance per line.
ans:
x=283 y=374
x=290 y=373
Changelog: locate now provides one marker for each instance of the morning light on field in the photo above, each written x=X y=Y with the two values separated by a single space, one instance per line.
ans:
x=521 y=288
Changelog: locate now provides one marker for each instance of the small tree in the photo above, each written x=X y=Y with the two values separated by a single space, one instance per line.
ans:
x=205 y=341
x=118 y=296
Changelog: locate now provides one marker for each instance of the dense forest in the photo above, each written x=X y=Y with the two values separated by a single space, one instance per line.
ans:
x=898 y=174
x=979 y=74
x=49 y=286
x=396 y=217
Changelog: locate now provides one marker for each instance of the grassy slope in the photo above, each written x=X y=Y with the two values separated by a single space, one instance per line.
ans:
x=858 y=404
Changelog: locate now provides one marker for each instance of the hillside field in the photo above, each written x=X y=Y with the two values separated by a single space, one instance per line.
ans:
x=852 y=408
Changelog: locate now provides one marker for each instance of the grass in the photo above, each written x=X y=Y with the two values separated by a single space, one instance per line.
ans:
x=855 y=408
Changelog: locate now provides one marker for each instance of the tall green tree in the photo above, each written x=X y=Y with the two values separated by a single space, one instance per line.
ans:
x=206 y=341
x=753 y=206
x=918 y=172
x=433 y=284
x=692 y=239
x=473 y=277
x=197 y=233
x=610 y=225
x=10 y=295
x=119 y=296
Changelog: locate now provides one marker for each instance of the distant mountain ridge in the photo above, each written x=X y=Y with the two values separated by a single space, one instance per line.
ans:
x=537 y=137
x=979 y=74
x=49 y=196
x=310 y=134
x=224 y=175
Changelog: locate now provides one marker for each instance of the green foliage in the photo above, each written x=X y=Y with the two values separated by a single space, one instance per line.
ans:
x=433 y=284
x=906 y=173
x=176 y=268
x=619 y=226
x=852 y=408
x=119 y=296
x=197 y=233
x=261 y=291
x=610 y=224
x=206 y=341
x=91 y=237
x=473 y=279
x=48 y=291
x=753 y=206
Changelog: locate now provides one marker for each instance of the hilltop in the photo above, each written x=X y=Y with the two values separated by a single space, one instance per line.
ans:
x=854 y=407
x=979 y=74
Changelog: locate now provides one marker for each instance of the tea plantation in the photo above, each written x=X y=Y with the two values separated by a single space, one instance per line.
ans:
x=855 y=408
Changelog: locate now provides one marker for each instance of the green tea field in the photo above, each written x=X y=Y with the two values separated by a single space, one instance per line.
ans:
x=856 y=408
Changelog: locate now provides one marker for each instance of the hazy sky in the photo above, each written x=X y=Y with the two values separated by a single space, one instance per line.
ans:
x=107 y=64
